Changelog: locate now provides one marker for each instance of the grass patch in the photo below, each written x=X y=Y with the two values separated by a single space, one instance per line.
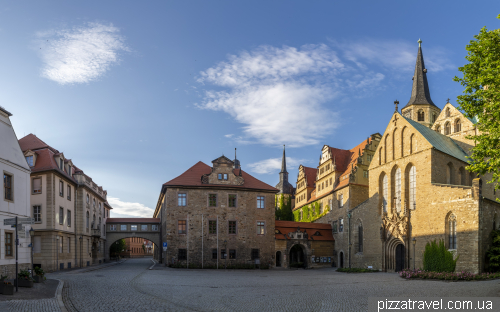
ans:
x=356 y=270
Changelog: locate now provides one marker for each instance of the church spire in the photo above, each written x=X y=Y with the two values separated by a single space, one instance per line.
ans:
x=283 y=161
x=420 y=90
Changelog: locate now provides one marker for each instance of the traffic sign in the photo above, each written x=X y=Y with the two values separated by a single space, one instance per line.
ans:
x=12 y=221
x=164 y=246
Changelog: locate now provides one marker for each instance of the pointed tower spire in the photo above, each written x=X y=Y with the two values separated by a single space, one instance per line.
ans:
x=236 y=161
x=284 y=186
x=420 y=90
x=283 y=160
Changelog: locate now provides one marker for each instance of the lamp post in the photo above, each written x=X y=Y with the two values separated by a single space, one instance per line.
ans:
x=414 y=240
x=57 y=253
x=349 y=237
x=32 y=234
x=225 y=254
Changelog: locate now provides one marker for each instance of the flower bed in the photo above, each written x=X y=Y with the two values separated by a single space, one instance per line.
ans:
x=356 y=270
x=456 y=276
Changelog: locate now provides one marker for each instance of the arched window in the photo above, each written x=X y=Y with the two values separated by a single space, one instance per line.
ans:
x=93 y=221
x=421 y=115
x=380 y=155
x=458 y=126
x=433 y=118
x=93 y=202
x=449 y=174
x=385 y=151
x=447 y=128
x=471 y=177
x=87 y=219
x=452 y=232
x=412 y=138
x=360 y=238
x=462 y=177
x=447 y=112
x=396 y=187
x=412 y=187
x=438 y=129
x=384 y=192
x=394 y=144
x=403 y=142
x=88 y=199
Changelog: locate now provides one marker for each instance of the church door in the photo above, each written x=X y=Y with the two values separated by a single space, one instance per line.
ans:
x=400 y=257
x=278 y=258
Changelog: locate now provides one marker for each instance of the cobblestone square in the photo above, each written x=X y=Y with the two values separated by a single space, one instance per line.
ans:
x=131 y=286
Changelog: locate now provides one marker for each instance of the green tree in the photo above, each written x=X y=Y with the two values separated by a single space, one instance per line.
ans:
x=437 y=258
x=493 y=254
x=117 y=247
x=481 y=100
x=283 y=207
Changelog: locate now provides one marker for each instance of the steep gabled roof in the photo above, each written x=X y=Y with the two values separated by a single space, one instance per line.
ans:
x=439 y=141
x=420 y=93
x=192 y=177
x=32 y=142
x=310 y=174
x=285 y=227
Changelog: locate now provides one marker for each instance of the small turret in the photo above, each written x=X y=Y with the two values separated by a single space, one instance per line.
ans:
x=236 y=161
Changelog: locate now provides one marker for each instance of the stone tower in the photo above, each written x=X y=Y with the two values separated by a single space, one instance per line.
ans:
x=284 y=186
x=420 y=108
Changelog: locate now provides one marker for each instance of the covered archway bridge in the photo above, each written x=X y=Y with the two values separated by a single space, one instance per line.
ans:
x=121 y=228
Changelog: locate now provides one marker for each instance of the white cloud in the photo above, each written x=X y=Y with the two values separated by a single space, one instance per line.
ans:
x=229 y=135
x=80 y=54
x=277 y=93
x=272 y=165
x=129 y=210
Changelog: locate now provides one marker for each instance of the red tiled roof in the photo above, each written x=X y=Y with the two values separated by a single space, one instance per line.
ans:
x=353 y=160
x=133 y=220
x=32 y=142
x=285 y=227
x=192 y=177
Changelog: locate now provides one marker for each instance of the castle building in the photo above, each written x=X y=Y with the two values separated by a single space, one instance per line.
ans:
x=70 y=210
x=417 y=190
x=213 y=216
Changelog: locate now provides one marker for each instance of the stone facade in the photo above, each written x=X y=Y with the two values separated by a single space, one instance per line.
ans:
x=70 y=210
x=211 y=209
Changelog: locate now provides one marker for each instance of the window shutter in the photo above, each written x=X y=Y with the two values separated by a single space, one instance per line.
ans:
x=37 y=185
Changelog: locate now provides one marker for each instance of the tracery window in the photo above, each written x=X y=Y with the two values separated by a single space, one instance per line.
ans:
x=447 y=128
x=397 y=189
x=413 y=187
x=421 y=116
x=458 y=126
x=452 y=232
x=384 y=192
x=360 y=238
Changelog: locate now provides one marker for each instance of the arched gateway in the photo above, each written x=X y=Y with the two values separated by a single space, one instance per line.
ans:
x=121 y=228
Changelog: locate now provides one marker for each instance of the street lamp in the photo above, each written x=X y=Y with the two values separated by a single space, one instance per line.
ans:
x=32 y=234
x=414 y=240
x=57 y=253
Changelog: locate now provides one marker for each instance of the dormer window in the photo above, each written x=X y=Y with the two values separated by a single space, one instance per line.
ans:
x=225 y=176
x=29 y=160
x=219 y=176
x=69 y=170
x=61 y=164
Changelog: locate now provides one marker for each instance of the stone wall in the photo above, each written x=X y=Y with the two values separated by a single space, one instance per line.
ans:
x=199 y=243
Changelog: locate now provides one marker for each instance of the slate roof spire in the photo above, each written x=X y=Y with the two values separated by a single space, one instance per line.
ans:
x=284 y=186
x=236 y=161
x=283 y=161
x=420 y=90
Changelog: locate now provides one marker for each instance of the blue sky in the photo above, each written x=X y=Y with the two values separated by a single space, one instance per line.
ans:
x=135 y=94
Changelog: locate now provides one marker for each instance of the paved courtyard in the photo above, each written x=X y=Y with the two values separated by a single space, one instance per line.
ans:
x=130 y=286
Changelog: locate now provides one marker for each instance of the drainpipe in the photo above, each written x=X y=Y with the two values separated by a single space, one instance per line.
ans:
x=349 y=236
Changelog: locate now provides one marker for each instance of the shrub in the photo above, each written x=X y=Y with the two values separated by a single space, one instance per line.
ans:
x=3 y=277
x=24 y=274
x=438 y=259
x=493 y=254
x=39 y=271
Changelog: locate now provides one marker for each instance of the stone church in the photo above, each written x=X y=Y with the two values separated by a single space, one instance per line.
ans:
x=416 y=190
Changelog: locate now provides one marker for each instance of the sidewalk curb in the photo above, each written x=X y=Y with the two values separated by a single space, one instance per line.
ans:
x=59 y=296
x=94 y=268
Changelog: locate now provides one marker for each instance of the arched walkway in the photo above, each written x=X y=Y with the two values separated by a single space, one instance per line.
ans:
x=298 y=256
